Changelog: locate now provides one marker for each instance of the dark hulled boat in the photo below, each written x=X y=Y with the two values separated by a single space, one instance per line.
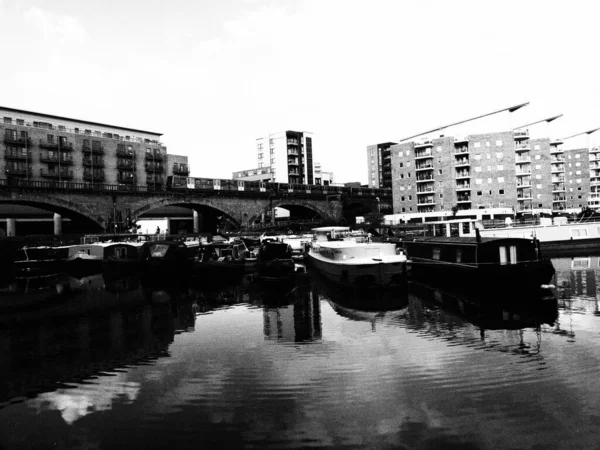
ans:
x=275 y=263
x=474 y=262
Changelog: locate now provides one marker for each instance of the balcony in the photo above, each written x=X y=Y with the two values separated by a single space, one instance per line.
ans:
x=558 y=187
x=524 y=184
x=424 y=144
x=17 y=156
x=424 y=154
x=556 y=141
x=125 y=165
x=557 y=158
x=461 y=149
x=125 y=153
x=521 y=134
x=460 y=140
x=292 y=151
x=154 y=168
x=426 y=209
x=181 y=169
x=558 y=179
x=595 y=165
x=463 y=200
x=92 y=162
x=94 y=176
x=523 y=159
x=463 y=174
x=48 y=144
x=426 y=166
x=293 y=142
x=96 y=149
x=557 y=168
x=522 y=147
x=425 y=201
x=559 y=199
x=292 y=162
x=463 y=186
x=594 y=150
x=523 y=173
x=424 y=178
x=63 y=174
x=422 y=190
x=64 y=160
x=14 y=140
x=524 y=197
x=154 y=156
x=18 y=171
x=462 y=162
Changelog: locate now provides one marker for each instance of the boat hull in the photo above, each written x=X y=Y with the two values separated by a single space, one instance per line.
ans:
x=377 y=273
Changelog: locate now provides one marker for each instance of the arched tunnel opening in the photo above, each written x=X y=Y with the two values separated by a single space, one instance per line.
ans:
x=34 y=218
x=179 y=219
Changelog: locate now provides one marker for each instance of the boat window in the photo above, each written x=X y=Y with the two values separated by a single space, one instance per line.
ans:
x=436 y=253
x=158 y=250
x=466 y=227
x=458 y=255
x=502 y=255
x=579 y=233
x=513 y=254
x=580 y=263
x=454 y=229
x=121 y=253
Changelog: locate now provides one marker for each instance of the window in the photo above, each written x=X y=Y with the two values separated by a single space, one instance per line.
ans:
x=442 y=195
x=401 y=164
x=8 y=120
x=538 y=166
x=477 y=169
x=577 y=155
x=578 y=172
x=61 y=128
x=402 y=198
x=487 y=143
x=410 y=197
x=20 y=122
x=439 y=148
x=500 y=179
x=538 y=156
x=538 y=186
x=498 y=143
x=499 y=167
x=440 y=171
x=401 y=175
x=478 y=181
x=50 y=138
x=536 y=147
x=577 y=164
x=479 y=192
x=476 y=144
x=501 y=192
x=436 y=253
x=477 y=157
x=499 y=155
x=489 y=181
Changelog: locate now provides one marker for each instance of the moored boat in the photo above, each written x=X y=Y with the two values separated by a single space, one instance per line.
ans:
x=42 y=260
x=165 y=258
x=275 y=263
x=221 y=259
x=342 y=258
x=476 y=262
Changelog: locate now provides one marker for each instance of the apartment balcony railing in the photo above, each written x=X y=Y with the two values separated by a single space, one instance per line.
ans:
x=558 y=179
x=557 y=158
x=524 y=197
x=292 y=151
x=557 y=168
x=425 y=202
x=293 y=142
x=125 y=153
x=424 y=154
x=154 y=168
x=462 y=187
x=88 y=176
x=292 y=162
x=460 y=140
x=428 y=166
x=154 y=156
x=95 y=149
x=93 y=163
x=595 y=150
x=463 y=200
x=18 y=171
x=426 y=143
x=522 y=147
x=425 y=190
x=64 y=174
x=462 y=162
x=522 y=173
x=424 y=178
x=462 y=149
x=523 y=159
x=524 y=184
x=463 y=174
x=125 y=165
x=595 y=165
x=556 y=141
x=17 y=156
x=19 y=141
x=559 y=199
x=558 y=187
x=66 y=160
x=556 y=150
x=521 y=134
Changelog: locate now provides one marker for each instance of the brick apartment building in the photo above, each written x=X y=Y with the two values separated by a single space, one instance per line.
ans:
x=494 y=170
x=379 y=160
x=43 y=147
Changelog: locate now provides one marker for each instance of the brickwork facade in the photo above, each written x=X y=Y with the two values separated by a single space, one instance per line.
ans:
x=493 y=170
x=40 y=147
x=379 y=162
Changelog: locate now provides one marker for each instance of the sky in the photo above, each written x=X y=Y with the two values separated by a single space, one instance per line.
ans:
x=213 y=76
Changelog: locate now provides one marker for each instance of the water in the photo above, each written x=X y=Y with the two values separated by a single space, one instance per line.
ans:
x=104 y=362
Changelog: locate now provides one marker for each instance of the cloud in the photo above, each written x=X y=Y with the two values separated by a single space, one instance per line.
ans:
x=55 y=26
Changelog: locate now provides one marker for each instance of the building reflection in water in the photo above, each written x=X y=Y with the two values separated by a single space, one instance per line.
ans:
x=106 y=325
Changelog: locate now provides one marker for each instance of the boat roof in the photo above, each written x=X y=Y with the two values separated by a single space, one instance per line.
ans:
x=326 y=229
x=466 y=240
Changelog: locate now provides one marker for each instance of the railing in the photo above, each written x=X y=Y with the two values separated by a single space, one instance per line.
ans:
x=522 y=146
x=17 y=155
x=154 y=156
x=14 y=140
x=125 y=153
x=99 y=150
x=464 y=149
x=55 y=159
x=155 y=169
x=463 y=186
x=91 y=162
x=425 y=154
x=126 y=165
x=67 y=174
x=18 y=171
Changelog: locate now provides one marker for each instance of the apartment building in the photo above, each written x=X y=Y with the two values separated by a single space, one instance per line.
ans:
x=379 y=160
x=44 y=147
x=493 y=170
x=289 y=155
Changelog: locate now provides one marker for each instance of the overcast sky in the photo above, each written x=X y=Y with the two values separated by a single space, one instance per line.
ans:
x=213 y=76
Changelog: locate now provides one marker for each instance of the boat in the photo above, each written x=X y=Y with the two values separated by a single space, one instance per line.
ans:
x=95 y=256
x=222 y=259
x=299 y=244
x=40 y=260
x=27 y=292
x=275 y=263
x=345 y=258
x=479 y=263
x=165 y=258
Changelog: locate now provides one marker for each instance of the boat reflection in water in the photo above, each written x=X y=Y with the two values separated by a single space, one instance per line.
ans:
x=489 y=310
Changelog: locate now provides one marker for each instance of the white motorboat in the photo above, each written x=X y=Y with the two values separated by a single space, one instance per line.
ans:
x=345 y=258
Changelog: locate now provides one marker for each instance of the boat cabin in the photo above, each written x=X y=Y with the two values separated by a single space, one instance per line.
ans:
x=223 y=251
x=473 y=250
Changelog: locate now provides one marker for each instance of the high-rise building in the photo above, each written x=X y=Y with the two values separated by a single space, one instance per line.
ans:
x=45 y=147
x=494 y=170
x=289 y=154
x=379 y=161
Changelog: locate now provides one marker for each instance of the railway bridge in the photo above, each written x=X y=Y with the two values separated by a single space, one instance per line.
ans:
x=109 y=208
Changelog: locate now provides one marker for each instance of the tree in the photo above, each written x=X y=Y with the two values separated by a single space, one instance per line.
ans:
x=454 y=210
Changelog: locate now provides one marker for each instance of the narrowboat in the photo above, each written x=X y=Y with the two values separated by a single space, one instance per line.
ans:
x=477 y=262
x=165 y=258
x=43 y=260
x=221 y=259
x=341 y=257
x=275 y=262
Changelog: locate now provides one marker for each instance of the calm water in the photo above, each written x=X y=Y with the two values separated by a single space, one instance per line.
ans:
x=104 y=362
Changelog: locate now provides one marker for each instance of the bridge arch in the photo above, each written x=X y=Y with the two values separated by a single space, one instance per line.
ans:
x=317 y=208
